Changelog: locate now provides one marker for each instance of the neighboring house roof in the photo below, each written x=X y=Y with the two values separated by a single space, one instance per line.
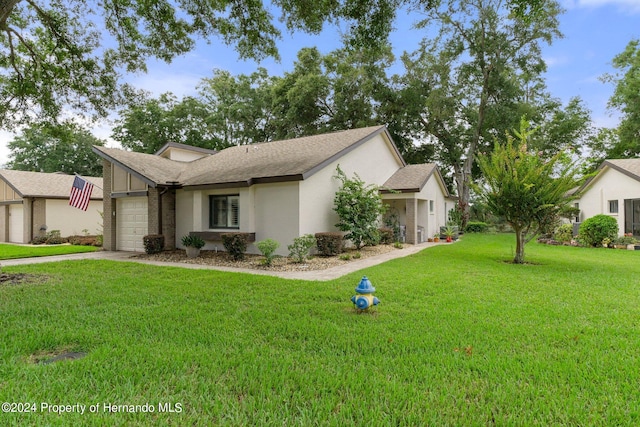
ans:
x=277 y=161
x=46 y=185
x=629 y=167
x=412 y=178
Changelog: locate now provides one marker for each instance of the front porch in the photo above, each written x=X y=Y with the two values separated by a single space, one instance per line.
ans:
x=416 y=220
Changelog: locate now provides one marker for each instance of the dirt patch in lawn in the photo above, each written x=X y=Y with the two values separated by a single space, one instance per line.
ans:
x=256 y=262
x=18 y=278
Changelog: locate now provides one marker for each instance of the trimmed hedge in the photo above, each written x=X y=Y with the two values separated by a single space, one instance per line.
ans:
x=329 y=244
x=476 y=227
x=153 y=243
x=235 y=244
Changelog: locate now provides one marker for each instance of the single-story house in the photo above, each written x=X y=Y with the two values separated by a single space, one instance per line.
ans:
x=614 y=191
x=33 y=203
x=279 y=190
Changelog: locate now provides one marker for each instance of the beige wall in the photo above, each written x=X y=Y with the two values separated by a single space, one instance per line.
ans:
x=6 y=192
x=71 y=221
x=277 y=213
x=122 y=181
x=374 y=161
x=610 y=185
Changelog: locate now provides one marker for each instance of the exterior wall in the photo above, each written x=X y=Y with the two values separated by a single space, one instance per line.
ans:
x=277 y=213
x=6 y=192
x=184 y=214
x=4 y=223
x=69 y=220
x=39 y=221
x=109 y=209
x=374 y=162
x=609 y=185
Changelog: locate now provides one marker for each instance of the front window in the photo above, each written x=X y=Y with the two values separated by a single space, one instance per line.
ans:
x=613 y=206
x=224 y=211
x=431 y=206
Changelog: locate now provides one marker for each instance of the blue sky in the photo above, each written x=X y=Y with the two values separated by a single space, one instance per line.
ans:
x=594 y=32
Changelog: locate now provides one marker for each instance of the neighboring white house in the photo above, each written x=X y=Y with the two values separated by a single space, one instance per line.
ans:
x=32 y=203
x=614 y=191
x=279 y=190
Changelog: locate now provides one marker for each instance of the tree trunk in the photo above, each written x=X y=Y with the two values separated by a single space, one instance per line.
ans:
x=519 y=258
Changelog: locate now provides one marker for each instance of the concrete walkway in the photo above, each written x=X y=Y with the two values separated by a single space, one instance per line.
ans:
x=320 y=275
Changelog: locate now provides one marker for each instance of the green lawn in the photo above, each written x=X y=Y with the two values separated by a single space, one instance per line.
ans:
x=8 y=251
x=460 y=338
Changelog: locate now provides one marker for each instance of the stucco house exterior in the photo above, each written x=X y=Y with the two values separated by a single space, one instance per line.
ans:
x=614 y=191
x=279 y=190
x=32 y=203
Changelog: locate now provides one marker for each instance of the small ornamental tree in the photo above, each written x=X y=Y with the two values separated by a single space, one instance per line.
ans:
x=359 y=207
x=530 y=193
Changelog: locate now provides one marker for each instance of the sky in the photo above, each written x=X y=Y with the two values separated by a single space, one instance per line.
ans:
x=594 y=32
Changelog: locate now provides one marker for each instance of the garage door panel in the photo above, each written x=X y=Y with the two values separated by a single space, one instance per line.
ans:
x=132 y=223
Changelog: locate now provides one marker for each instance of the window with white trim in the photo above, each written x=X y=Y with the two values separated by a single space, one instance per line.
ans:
x=613 y=206
x=224 y=211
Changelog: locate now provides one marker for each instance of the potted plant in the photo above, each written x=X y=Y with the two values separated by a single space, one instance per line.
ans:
x=449 y=232
x=436 y=238
x=193 y=244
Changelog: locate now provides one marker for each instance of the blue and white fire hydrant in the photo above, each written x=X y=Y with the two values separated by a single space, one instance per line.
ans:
x=364 y=298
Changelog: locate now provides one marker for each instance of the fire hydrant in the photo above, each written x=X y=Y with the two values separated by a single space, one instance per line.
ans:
x=364 y=298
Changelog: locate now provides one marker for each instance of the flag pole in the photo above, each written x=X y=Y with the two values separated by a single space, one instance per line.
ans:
x=80 y=176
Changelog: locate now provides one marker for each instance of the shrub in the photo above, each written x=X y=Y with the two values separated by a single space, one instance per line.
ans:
x=627 y=239
x=329 y=244
x=596 y=229
x=39 y=240
x=153 y=243
x=387 y=236
x=85 y=240
x=564 y=233
x=268 y=247
x=476 y=227
x=54 y=238
x=359 y=207
x=345 y=257
x=192 y=241
x=235 y=244
x=299 y=249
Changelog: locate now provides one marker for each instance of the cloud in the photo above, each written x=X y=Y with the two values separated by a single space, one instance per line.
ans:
x=558 y=60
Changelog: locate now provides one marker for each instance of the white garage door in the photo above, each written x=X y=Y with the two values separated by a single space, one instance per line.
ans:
x=132 y=223
x=16 y=224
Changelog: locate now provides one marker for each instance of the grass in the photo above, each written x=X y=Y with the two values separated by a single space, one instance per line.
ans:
x=8 y=251
x=460 y=337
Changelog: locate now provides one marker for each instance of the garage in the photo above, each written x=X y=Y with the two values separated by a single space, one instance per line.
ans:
x=132 y=223
x=16 y=224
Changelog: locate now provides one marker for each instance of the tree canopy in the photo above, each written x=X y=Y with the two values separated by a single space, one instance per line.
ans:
x=71 y=54
x=55 y=148
x=529 y=192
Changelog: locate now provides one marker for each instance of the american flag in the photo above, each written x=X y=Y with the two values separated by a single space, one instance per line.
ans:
x=80 y=193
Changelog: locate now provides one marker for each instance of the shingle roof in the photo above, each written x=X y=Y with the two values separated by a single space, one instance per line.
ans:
x=148 y=167
x=48 y=185
x=410 y=178
x=247 y=164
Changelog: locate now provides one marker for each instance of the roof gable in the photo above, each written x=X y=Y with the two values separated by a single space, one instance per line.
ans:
x=413 y=178
x=628 y=167
x=46 y=185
